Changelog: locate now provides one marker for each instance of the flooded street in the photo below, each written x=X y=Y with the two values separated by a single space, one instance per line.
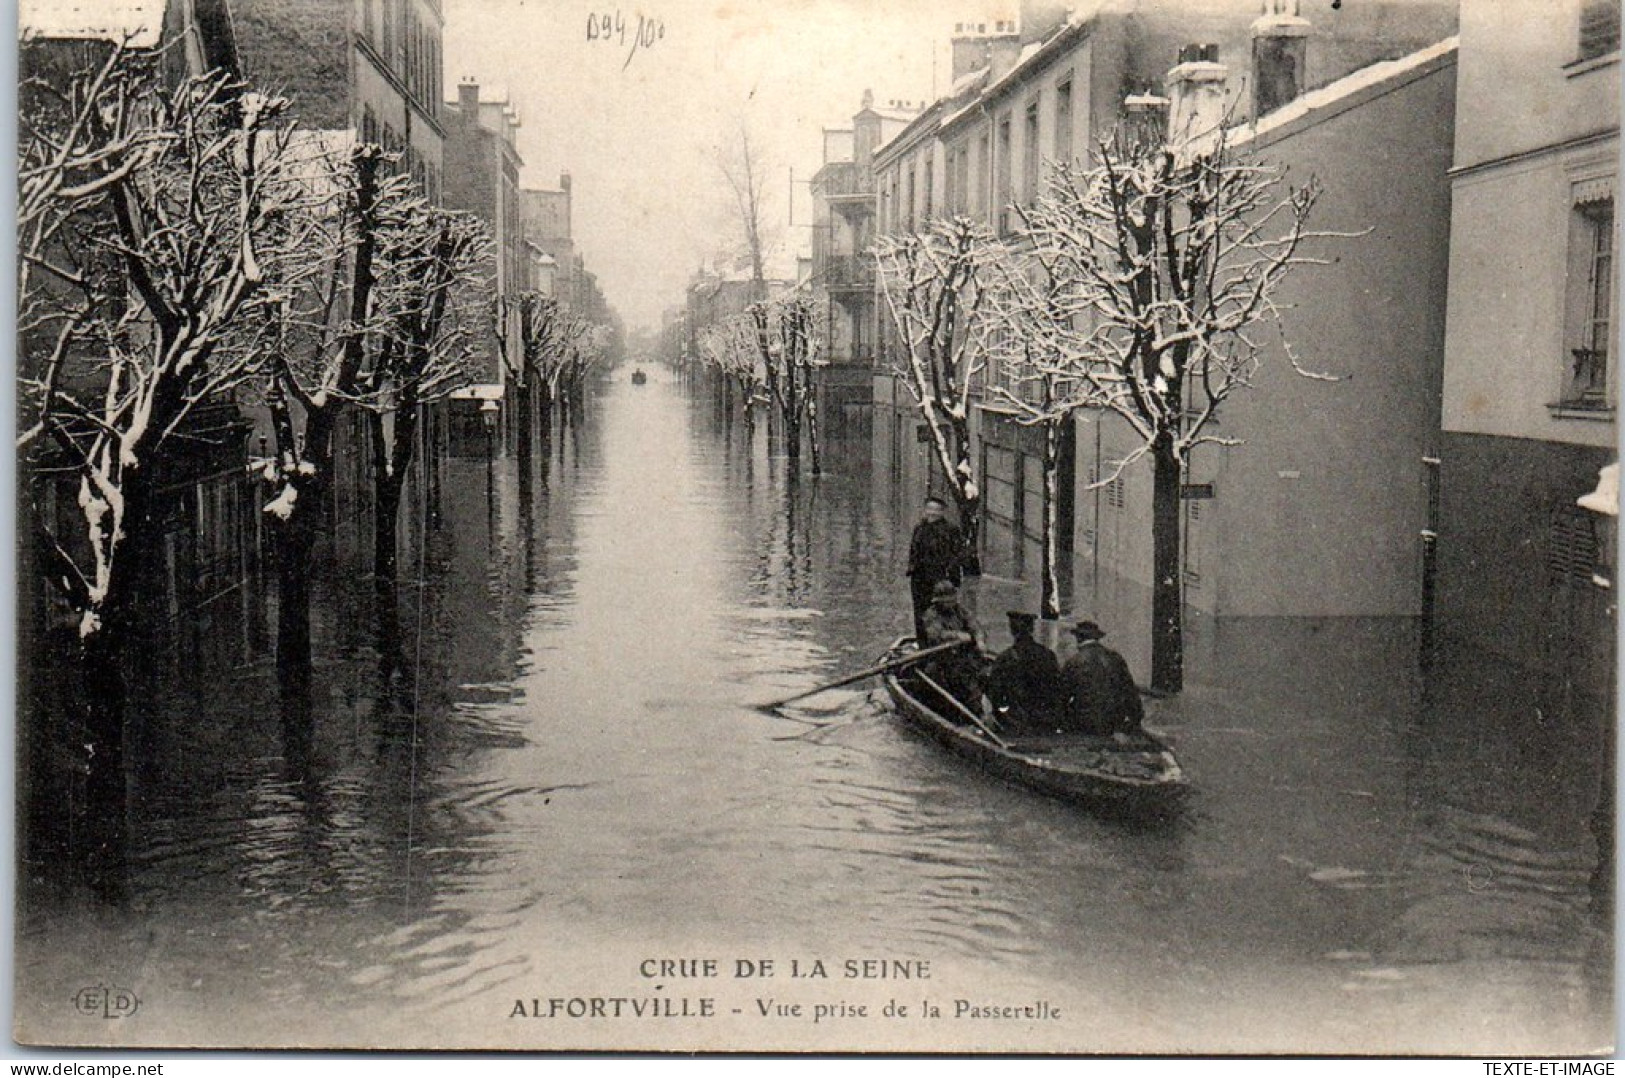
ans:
x=560 y=776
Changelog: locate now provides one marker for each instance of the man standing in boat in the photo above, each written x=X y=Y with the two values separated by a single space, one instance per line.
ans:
x=960 y=670
x=1098 y=693
x=935 y=553
x=1022 y=684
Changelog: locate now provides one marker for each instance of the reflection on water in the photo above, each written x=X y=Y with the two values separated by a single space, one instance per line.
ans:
x=555 y=770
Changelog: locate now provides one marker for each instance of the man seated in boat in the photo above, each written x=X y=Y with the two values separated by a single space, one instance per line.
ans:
x=1098 y=694
x=960 y=670
x=1023 y=682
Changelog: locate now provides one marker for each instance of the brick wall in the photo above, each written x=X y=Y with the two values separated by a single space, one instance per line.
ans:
x=300 y=48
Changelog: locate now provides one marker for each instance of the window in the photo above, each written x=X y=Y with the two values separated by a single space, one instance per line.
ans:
x=908 y=209
x=1111 y=493
x=1573 y=554
x=1591 y=297
x=1031 y=162
x=389 y=33
x=1599 y=28
x=1063 y=121
x=1001 y=177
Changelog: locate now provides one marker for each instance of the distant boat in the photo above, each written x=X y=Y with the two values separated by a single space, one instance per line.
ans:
x=638 y=377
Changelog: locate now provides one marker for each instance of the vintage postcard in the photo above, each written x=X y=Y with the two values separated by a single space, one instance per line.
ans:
x=826 y=526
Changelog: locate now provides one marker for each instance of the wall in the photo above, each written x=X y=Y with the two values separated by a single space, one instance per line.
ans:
x=300 y=48
x=1526 y=92
x=1507 y=347
x=1497 y=588
x=1319 y=511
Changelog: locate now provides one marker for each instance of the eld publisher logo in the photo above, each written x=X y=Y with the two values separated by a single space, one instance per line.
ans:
x=104 y=1002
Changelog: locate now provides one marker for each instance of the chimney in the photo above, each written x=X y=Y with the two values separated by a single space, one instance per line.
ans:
x=1195 y=89
x=1145 y=119
x=1280 y=49
x=1002 y=54
x=468 y=101
x=1041 y=18
x=992 y=45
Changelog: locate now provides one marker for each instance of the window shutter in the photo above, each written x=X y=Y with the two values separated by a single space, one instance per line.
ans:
x=1571 y=547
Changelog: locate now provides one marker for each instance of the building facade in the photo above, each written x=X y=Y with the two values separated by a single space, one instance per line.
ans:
x=1322 y=509
x=842 y=271
x=482 y=178
x=1046 y=90
x=1530 y=381
x=548 y=214
x=371 y=66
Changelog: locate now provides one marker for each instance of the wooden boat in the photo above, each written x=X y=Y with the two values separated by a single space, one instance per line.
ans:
x=1133 y=777
x=638 y=377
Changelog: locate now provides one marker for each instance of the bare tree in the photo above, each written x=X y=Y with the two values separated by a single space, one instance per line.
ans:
x=323 y=326
x=935 y=283
x=790 y=341
x=730 y=346
x=745 y=171
x=1161 y=266
x=1038 y=393
x=427 y=300
x=148 y=248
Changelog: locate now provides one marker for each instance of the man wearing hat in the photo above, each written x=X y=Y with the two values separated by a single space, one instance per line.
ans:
x=1023 y=683
x=959 y=670
x=934 y=555
x=1097 y=691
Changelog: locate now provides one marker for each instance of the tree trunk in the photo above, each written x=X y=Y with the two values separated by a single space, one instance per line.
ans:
x=812 y=437
x=102 y=830
x=1167 y=629
x=969 y=505
x=391 y=463
x=524 y=399
x=105 y=660
x=1049 y=597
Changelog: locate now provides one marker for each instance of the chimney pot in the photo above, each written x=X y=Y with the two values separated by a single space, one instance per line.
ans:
x=1280 y=55
x=1195 y=91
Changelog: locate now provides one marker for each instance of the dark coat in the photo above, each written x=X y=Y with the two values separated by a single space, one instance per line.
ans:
x=1100 y=695
x=960 y=670
x=1023 y=686
x=935 y=552
x=943 y=620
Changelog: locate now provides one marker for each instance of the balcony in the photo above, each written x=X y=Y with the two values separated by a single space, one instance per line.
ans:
x=849 y=273
x=841 y=181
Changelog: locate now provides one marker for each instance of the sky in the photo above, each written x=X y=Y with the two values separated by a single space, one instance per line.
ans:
x=640 y=129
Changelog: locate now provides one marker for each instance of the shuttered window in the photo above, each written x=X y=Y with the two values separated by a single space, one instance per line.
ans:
x=1599 y=28
x=1571 y=547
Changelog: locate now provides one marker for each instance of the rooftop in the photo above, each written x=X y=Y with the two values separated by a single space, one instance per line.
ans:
x=1346 y=91
x=139 y=22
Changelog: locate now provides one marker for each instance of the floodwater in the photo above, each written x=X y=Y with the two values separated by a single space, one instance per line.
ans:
x=558 y=790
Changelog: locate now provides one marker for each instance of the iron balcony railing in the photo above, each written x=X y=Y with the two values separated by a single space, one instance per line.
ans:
x=850 y=271
x=846 y=180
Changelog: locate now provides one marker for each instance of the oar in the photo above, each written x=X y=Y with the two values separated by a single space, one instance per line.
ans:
x=963 y=710
x=891 y=664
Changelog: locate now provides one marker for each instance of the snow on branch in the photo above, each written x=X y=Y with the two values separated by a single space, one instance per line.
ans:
x=153 y=245
x=1152 y=269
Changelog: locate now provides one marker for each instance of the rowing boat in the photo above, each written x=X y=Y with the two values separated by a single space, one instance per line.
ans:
x=1136 y=777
